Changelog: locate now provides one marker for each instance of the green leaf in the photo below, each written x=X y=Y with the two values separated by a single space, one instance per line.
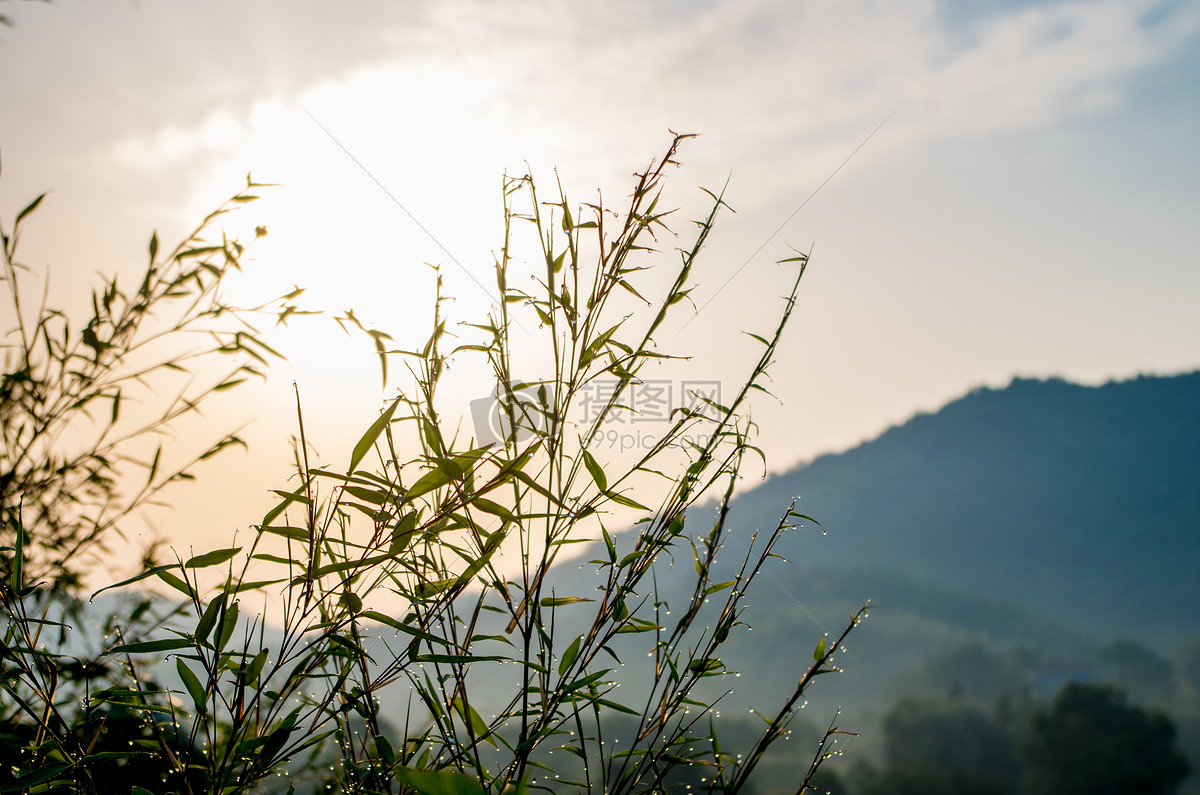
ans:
x=587 y=680
x=372 y=496
x=400 y=626
x=439 y=782
x=613 y=705
x=175 y=582
x=434 y=479
x=199 y=251
x=349 y=644
x=402 y=535
x=228 y=624
x=804 y=516
x=288 y=498
x=153 y=246
x=620 y=610
x=495 y=509
x=294 y=533
x=347 y=565
x=558 y=601
x=43 y=773
x=629 y=287
x=609 y=545
x=385 y=750
x=256 y=585
x=472 y=718
x=457 y=659
x=28 y=209
x=569 y=656
x=255 y=668
x=760 y=339
x=368 y=440
x=621 y=499
x=214 y=558
x=819 y=652
x=706 y=666
x=192 y=683
x=596 y=471
x=208 y=619
x=351 y=602
x=278 y=738
x=152 y=646
x=15 y=576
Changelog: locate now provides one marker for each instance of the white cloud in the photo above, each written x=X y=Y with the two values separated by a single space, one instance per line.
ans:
x=771 y=79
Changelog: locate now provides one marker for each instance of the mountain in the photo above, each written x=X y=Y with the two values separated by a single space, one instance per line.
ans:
x=1079 y=504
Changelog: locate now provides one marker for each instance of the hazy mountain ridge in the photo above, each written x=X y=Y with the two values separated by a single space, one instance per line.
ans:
x=1073 y=502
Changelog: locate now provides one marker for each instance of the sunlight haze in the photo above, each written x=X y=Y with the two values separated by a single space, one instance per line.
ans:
x=987 y=189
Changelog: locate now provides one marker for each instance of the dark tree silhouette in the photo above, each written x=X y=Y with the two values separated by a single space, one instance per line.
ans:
x=945 y=746
x=1090 y=741
x=1146 y=677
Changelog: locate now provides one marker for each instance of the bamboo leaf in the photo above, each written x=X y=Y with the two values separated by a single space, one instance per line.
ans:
x=441 y=475
x=587 y=680
x=558 y=601
x=255 y=668
x=228 y=624
x=457 y=659
x=400 y=626
x=152 y=646
x=402 y=534
x=351 y=601
x=473 y=719
x=27 y=779
x=609 y=545
x=294 y=533
x=175 y=582
x=208 y=619
x=288 y=497
x=495 y=509
x=347 y=565
x=28 y=209
x=569 y=656
x=192 y=683
x=621 y=499
x=157 y=570
x=214 y=558
x=439 y=782
x=368 y=439
x=16 y=578
x=595 y=470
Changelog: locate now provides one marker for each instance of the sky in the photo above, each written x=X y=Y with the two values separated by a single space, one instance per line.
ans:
x=987 y=190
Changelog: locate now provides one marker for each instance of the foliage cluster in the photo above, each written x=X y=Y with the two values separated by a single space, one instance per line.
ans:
x=79 y=409
x=1087 y=739
x=493 y=680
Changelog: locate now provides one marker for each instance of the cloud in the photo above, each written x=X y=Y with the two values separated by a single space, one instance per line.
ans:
x=1045 y=65
x=769 y=77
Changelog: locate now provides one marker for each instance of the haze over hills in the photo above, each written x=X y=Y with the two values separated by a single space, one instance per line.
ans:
x=1006 y=538
x=1010 y=537
x=1078 y=504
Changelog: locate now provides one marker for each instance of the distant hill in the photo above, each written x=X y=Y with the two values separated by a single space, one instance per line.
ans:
x=1079 y=504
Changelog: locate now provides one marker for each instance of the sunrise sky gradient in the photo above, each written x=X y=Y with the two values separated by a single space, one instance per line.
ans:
x=1030 y=207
